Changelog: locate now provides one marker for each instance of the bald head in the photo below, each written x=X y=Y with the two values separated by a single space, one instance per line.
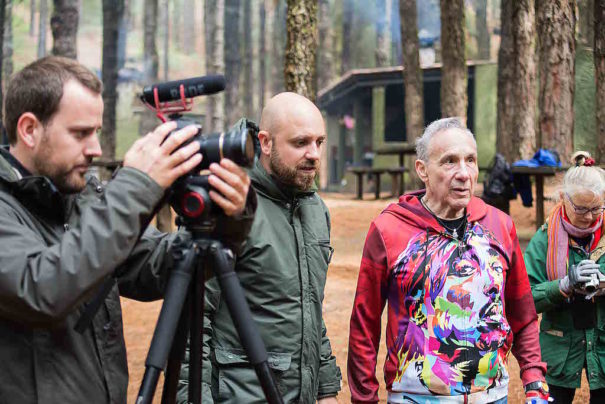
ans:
x=285 y=108
x=291 y=136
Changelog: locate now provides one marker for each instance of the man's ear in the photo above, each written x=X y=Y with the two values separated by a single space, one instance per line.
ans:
x=421 y=170
x=266 y=142
x=28 y=129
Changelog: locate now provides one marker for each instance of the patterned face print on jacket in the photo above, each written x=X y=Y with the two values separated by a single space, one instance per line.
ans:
x=455 y=323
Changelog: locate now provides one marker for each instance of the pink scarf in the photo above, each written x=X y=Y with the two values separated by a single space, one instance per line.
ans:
x=558 y=232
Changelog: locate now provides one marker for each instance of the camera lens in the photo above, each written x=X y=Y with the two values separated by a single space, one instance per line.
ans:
x=237 y=145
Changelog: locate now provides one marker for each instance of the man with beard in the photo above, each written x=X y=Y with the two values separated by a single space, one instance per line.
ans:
x=63 y=235
x=282 y=269
x=451 y=270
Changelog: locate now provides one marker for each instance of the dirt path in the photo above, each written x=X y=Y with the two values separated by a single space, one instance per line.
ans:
x=350 y=223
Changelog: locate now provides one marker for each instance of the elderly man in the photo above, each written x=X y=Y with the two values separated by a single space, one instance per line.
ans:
x=458 y=296
x=282 y=269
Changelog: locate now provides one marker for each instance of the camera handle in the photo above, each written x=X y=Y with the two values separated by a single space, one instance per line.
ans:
x=193 y=254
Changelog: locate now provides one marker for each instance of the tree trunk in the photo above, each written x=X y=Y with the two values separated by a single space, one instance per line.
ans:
x=262 y=50
x=150 y=50
x=301 y=47
x=599 y=63
x=214 y=13
x=395 y=24
x=148 y=120
x=586 y=22
x=232 y=61
x=453 y=73
x=123 y=27
x=7 y=44
x=412 y=78
x=150 y=60
x=556 y=24
x=483 y=35
x=277 y=57
x=177 y=22
x=247 y=61
x=515 y=132
x=165 y=24
x=347 y=22
x=412 y=73
x=113 y=11
x=325 y=56
x=383 y=43
x=42 y=28
x=32 y=17
x=189 y=26
x=64 y=26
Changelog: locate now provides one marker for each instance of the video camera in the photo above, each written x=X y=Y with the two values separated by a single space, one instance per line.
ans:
x=189 y=196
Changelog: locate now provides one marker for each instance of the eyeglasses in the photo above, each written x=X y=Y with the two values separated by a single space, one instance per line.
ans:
x=581 y=210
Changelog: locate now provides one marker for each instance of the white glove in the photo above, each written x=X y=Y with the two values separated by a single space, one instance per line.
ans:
x=578 y=275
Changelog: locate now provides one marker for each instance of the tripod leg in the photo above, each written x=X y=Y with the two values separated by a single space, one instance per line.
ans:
x=242 y=318
x=176 y=291
x=196 y=336
x=173 y=368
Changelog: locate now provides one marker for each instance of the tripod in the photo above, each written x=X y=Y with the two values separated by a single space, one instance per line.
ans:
x=195 y=253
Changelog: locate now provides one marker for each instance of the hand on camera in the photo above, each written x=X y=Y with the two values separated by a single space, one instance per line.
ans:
x=600 y=288
x=230 y=184
x=160 y=159
x=578 y=275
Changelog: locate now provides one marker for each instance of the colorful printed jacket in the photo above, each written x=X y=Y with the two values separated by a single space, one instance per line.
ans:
x=453 y=307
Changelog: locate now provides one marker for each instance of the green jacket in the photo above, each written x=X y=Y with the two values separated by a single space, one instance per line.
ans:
x=55 y=252
x=566 y=349
x=283 y=271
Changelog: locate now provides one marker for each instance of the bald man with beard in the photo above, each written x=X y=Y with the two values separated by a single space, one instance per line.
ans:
x=282 y=269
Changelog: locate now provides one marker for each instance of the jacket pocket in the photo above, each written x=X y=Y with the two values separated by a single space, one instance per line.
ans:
x=237 y=379
x=326 y=250
x=555 y=346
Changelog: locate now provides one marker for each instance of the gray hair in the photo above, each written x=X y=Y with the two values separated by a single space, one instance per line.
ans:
x=422 y=143
x=583 y=178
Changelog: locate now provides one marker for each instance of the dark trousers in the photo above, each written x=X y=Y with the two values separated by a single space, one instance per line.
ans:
x=564 y=395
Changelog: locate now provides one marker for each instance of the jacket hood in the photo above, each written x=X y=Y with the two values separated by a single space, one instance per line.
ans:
x=7 y=173
x=410 y=210
x=269 y=186
x=36 y=192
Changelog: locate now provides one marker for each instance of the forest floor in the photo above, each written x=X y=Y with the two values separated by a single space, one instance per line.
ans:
x=350 y=223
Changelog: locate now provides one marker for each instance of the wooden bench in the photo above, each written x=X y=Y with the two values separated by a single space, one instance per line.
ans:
x=375 y=173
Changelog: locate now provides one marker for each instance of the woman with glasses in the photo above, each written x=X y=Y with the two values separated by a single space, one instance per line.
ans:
x=565 y=263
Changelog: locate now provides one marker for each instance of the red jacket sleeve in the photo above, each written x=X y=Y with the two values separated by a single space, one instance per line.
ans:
x=522 y=317
x=364 y=336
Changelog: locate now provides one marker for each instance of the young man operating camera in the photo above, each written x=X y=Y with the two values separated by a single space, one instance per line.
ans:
x=63 y=234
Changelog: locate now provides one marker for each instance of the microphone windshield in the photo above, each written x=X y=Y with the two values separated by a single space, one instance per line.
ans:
x=195 y=86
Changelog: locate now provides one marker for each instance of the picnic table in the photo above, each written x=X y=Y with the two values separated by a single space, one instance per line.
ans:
x=375 y=173
x=539 y=173
x=401 y=150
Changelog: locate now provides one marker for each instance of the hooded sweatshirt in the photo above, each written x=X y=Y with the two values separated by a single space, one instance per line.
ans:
x=456 y=307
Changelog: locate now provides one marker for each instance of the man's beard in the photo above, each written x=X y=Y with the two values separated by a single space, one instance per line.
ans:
x=66 y=179
x=291 y=175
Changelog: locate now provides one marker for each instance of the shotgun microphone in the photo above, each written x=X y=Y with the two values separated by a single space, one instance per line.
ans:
x=193 y=87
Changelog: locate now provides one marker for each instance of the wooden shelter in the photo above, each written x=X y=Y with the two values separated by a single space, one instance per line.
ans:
x=374 y=98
